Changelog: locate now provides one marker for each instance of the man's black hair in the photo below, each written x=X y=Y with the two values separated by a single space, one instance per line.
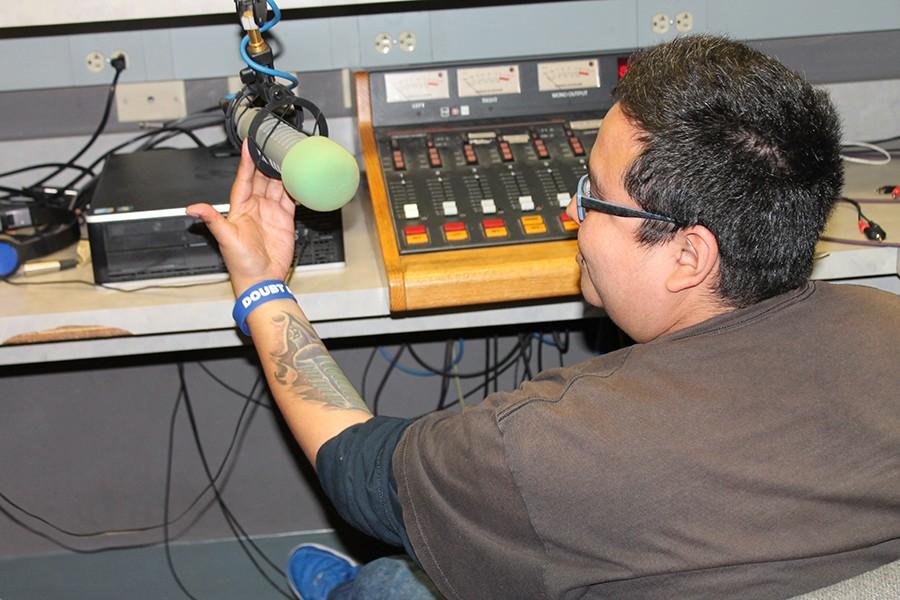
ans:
x=735 y=141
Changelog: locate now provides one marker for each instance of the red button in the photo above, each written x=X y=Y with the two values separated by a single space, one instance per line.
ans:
x=399 y=165
x=414 y=229
x=576 y=146
x=455 y=226
x=564 y=217
x=489 y=223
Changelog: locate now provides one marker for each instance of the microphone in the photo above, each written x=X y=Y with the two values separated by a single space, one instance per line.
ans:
x=317 y=172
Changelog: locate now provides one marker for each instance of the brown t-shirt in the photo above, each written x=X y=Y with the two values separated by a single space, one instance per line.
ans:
x=755 y=455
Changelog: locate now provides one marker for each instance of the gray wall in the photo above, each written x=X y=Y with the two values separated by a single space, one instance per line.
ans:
x=84 y=445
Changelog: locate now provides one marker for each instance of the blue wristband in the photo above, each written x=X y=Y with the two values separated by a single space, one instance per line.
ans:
x=256 y=295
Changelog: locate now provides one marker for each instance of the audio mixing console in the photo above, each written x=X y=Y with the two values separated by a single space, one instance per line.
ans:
x=470 y=169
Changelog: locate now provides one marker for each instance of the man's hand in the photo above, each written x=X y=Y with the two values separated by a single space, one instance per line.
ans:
x=257 y=238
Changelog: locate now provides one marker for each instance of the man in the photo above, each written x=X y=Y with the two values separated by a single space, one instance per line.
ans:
x=748 y=444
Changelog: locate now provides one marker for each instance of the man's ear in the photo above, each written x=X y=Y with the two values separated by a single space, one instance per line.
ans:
x=696 y=255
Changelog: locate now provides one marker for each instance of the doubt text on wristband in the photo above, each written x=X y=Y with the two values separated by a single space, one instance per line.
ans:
x=257 y=295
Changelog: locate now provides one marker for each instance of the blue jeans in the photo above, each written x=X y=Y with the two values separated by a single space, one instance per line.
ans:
x=391 y=578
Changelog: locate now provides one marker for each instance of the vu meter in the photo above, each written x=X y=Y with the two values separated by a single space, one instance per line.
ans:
x=488 y=81
x=568 y=75
x=417 y=86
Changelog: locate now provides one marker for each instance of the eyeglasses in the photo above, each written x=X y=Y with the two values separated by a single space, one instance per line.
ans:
x=586 y=201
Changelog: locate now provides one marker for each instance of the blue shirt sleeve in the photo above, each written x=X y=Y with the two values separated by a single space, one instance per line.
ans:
x=355 y=470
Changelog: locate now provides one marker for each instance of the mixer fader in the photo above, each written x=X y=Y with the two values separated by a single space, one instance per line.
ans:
x=471 y=167
x=468 y=187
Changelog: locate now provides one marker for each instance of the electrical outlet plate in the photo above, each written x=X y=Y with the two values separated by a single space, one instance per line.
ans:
x=95 y=62
x=684 y=21
x=664 y=20
x=394 y=39
x=407 y=41
x=383 y=43
x=659 y=23
x=152 y=101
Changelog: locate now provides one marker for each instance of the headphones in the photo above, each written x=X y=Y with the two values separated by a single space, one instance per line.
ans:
x=54 y=229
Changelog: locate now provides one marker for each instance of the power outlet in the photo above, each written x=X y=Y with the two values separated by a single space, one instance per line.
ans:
x=660 y=23
x=152 y=101
x=383 y=43
x=95 y=62
x=407 y=41
x=123 y=54
x=684 y=21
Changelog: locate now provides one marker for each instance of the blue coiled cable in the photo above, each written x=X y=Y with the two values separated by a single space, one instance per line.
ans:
x=255 y=65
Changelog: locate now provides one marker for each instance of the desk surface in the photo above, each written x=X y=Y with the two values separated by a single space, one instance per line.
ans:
x=63 y=320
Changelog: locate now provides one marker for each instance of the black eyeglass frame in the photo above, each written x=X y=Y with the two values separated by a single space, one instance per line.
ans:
x=586 y=201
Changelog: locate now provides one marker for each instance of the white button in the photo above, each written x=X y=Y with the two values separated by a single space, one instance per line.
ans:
x=563 y=199
x=526 y=203
x=450 y=208
x=411 y=211
x=488 y=206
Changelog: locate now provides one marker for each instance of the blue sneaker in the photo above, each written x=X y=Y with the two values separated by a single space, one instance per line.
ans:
x=314 y=571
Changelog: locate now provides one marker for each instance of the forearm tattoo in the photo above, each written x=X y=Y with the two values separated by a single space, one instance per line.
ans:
x=304 y=365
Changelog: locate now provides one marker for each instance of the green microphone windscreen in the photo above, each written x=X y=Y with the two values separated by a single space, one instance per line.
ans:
x=317 y=172
x=320 y=174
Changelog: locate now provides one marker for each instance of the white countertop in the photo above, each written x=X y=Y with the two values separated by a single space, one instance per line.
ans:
x=350 y=301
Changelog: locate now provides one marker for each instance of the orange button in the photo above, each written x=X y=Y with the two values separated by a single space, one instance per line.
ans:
x=495 y=232
x=532 y=220
x=535 y=228
x=418 y=238
x=567 y=223
x=457 y=236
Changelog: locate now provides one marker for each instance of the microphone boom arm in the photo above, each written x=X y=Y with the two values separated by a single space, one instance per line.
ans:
x=264 y=104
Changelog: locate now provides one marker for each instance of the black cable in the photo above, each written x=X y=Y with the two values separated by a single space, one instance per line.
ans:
x=239 y=533
x=115 y=149
x=525 y=356
x=869 y=228
x=882 y=141
x=145 y=528
x=479 y=387
x=175 y=131
x=562 y=347
x=184 y=124
x=119 y=67
x=248 y=397
x=450 y=373
x=384 y=379
x=445 y=378
x=540 y=352
x=365 y=374
x=487 y=364
x=496 y=344
x=112 y=287
x=46 y=166
x=168 y=492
